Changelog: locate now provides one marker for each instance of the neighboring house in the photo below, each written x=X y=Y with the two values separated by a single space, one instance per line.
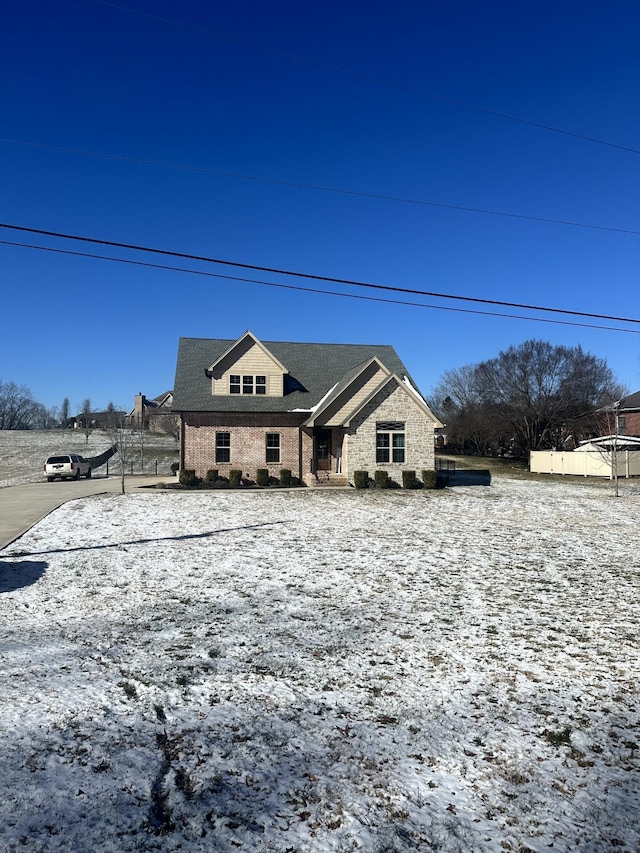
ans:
x=156 y=415
x=628 y=413
x=322 y=411
x=96 y=420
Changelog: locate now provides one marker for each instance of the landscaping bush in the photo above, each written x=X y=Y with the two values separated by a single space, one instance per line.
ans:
x=188 y=478
x=429 y=479
x=235 y=478
x=361 y=479
x=409 y=480
x=262 y=477
x=212 y=475
x=285 y=477
x=382 y=479
x=220 y=483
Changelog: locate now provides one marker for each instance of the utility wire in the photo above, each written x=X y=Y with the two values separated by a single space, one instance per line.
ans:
x=315 y=289
x=314 y=277
x=300 y=184
x=380 y=82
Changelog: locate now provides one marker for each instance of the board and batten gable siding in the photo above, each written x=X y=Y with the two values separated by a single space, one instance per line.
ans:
x=352 y=396
x=248 y=442
x=248 y=359
x=392 y=403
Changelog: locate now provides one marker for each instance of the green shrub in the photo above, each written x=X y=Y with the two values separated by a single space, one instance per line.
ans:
x=262 y=477
x=382 y=479
x=361 y=479
x=285 y=477
x=235 y=478
x=220 y=483
x=212 y=475
x=409 y=480
x=188 y=478
x=429 y=479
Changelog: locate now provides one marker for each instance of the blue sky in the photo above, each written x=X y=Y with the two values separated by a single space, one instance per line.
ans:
x=85 y=75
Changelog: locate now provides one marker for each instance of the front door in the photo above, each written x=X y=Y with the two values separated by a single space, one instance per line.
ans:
x=323 y=450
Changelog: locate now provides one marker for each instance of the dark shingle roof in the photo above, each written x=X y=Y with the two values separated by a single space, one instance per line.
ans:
x=317 y=367
x=631 y=402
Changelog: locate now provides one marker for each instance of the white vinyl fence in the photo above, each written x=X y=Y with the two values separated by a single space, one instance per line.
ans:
x=584 y=463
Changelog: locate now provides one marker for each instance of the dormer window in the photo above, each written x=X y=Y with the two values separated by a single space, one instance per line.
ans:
x=247 y=384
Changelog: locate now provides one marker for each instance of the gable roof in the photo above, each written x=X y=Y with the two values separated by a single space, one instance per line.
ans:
x=630 y=402
x=250 y=338
x=343 y=385
x=316 y=368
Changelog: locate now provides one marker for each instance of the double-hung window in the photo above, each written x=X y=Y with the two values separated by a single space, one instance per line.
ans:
x=273 y=447
x=223 y=447
x=390 y=441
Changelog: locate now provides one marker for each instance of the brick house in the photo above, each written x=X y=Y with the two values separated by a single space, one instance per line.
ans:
x=155 y=415
x=622 y=417
x=321 y=410
x=629 y=415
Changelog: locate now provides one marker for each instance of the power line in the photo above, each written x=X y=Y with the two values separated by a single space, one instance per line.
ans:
x=319 y=187
x=317 y=290
x=315 y=277
x=380 y=82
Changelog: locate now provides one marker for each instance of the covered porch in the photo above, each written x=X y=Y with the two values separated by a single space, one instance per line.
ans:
x=326 y=462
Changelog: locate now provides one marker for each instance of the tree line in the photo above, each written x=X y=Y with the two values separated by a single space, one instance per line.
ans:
x=20 y=410
x=529 y=397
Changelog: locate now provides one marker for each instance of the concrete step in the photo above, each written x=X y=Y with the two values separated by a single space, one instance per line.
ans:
x=329 y=482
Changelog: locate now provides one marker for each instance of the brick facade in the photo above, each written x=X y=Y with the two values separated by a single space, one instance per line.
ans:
x=391 y=404
x=356 y=445
x=631 y=423
x=248 y=442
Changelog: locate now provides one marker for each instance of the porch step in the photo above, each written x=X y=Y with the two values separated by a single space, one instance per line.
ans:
x=329 y=482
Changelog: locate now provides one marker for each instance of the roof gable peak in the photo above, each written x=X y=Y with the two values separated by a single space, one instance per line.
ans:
x=244 y=342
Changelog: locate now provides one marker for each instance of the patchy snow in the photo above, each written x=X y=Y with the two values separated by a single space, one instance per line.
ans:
x=24 y=452
x=321 y=402
x=324 y=671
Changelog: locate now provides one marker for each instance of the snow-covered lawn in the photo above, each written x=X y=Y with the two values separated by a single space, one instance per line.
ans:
x=24 y=452
x=324 y=671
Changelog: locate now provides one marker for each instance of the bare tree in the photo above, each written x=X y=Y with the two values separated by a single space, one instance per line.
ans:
x=86 y=418
x=44 y=418
x=18 y=409
x=120 y=435
x=167 y=423
x=64 y=413
x=528 y=397
x=460 y=406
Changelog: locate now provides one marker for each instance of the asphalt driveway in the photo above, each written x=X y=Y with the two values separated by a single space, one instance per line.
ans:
x=23 y=506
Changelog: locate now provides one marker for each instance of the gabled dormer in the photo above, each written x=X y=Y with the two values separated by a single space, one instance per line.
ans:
x=247 y=368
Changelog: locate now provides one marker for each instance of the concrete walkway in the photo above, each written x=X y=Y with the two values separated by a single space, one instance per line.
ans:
x=23 y=506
